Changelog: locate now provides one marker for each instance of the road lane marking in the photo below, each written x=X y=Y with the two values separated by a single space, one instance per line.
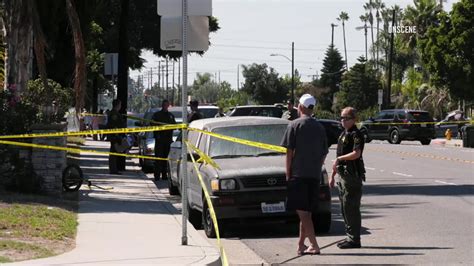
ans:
x=423 y=155
x=370 y=168
x=402 y=174
x=445 y=183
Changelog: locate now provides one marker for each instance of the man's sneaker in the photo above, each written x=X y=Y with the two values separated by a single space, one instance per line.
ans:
x=349 y=244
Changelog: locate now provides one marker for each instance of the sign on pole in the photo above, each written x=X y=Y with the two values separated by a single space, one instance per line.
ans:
x=174 y=8
x=380 y=98
x=111 y=64
x=172 y=33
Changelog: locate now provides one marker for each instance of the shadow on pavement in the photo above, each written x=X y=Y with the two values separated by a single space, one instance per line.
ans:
x=434 y=190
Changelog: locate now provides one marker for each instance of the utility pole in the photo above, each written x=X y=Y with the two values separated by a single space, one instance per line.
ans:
x=179 y=79
x=173 y=89
x=332 y=33
x=163 y=79
x=151 y=77
x=293 y=72
x=389 y=82
x=159 y=77
x=167 y=90
x=238 y=76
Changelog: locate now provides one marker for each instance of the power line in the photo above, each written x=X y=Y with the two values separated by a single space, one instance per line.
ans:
x=253 y=59
x=274 y=48
x=279 y=42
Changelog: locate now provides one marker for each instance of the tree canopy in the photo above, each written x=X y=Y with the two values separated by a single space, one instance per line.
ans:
x=263 y=84
x=331 y=76
x=448 y=50
x=359 y=87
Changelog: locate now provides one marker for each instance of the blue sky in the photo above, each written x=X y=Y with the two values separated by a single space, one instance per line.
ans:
x=251 y=30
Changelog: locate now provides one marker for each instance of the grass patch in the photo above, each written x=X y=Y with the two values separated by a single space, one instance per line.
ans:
x=30 y=220
x=4 y=260
x=16 y=247
x=76 y=140
x=34 y=226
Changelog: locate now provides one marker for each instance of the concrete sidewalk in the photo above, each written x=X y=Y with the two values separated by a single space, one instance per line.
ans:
x=132 y=223
x=448 y=143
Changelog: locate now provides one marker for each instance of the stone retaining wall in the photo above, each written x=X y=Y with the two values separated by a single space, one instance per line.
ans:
x=49 y=164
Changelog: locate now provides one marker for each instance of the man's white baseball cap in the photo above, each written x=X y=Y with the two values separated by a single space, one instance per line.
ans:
x=308 y=101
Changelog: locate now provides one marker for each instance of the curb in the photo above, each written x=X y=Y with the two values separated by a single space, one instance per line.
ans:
x=212 y=255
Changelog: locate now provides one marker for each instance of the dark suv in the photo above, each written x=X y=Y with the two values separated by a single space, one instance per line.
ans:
x=399 y=124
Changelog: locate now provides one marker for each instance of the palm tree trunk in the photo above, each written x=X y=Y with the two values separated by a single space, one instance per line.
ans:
x=371 y=20
x=365 y=30
x=377 y=46
x=344 y=35
x=80 y=56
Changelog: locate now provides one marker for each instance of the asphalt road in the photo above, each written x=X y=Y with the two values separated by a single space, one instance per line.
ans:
x=417 y=208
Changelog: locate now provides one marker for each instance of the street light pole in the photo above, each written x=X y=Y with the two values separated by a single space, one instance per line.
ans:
x=292 y=60
x=293 y=72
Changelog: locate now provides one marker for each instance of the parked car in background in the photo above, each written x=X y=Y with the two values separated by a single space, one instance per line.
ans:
x=146 y=143
x=250 y=183
x=333 y=127
x=208 y=111
x=333 y=130
x=454 y=120
x=131 y=123
x=256 y=110
x=396 y=125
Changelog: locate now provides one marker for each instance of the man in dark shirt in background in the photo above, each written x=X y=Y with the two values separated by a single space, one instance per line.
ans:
x=292 y=113
x=306 y=144
x=163 y=140
x=195 y=114
x=115 y=120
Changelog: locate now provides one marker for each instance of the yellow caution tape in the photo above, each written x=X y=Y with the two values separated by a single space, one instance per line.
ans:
x=147 y=120
x=417 y=123
x=90 y=114
x=211 y=208
x=203 y=157
x=243 y=141
x=93 y=132
x=78 y=151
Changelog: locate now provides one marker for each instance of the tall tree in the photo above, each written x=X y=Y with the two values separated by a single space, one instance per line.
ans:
x=204 y=89
x=344 y=17
x=447 y=50
x=368 y=8
x=359 y=87
x=331 y=76
x=263 y=84
x=19 y=40
x=80 y=56
x=422 y=14
x=378 y=5
x=365 y=18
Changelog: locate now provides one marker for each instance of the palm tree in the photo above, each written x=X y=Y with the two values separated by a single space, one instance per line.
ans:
x=378 y=5
x=422 y=15
x=368 y=8
x=344 y=17
x=365 y=18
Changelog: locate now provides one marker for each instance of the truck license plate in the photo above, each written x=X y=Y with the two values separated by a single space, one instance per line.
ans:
x=273 y=207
